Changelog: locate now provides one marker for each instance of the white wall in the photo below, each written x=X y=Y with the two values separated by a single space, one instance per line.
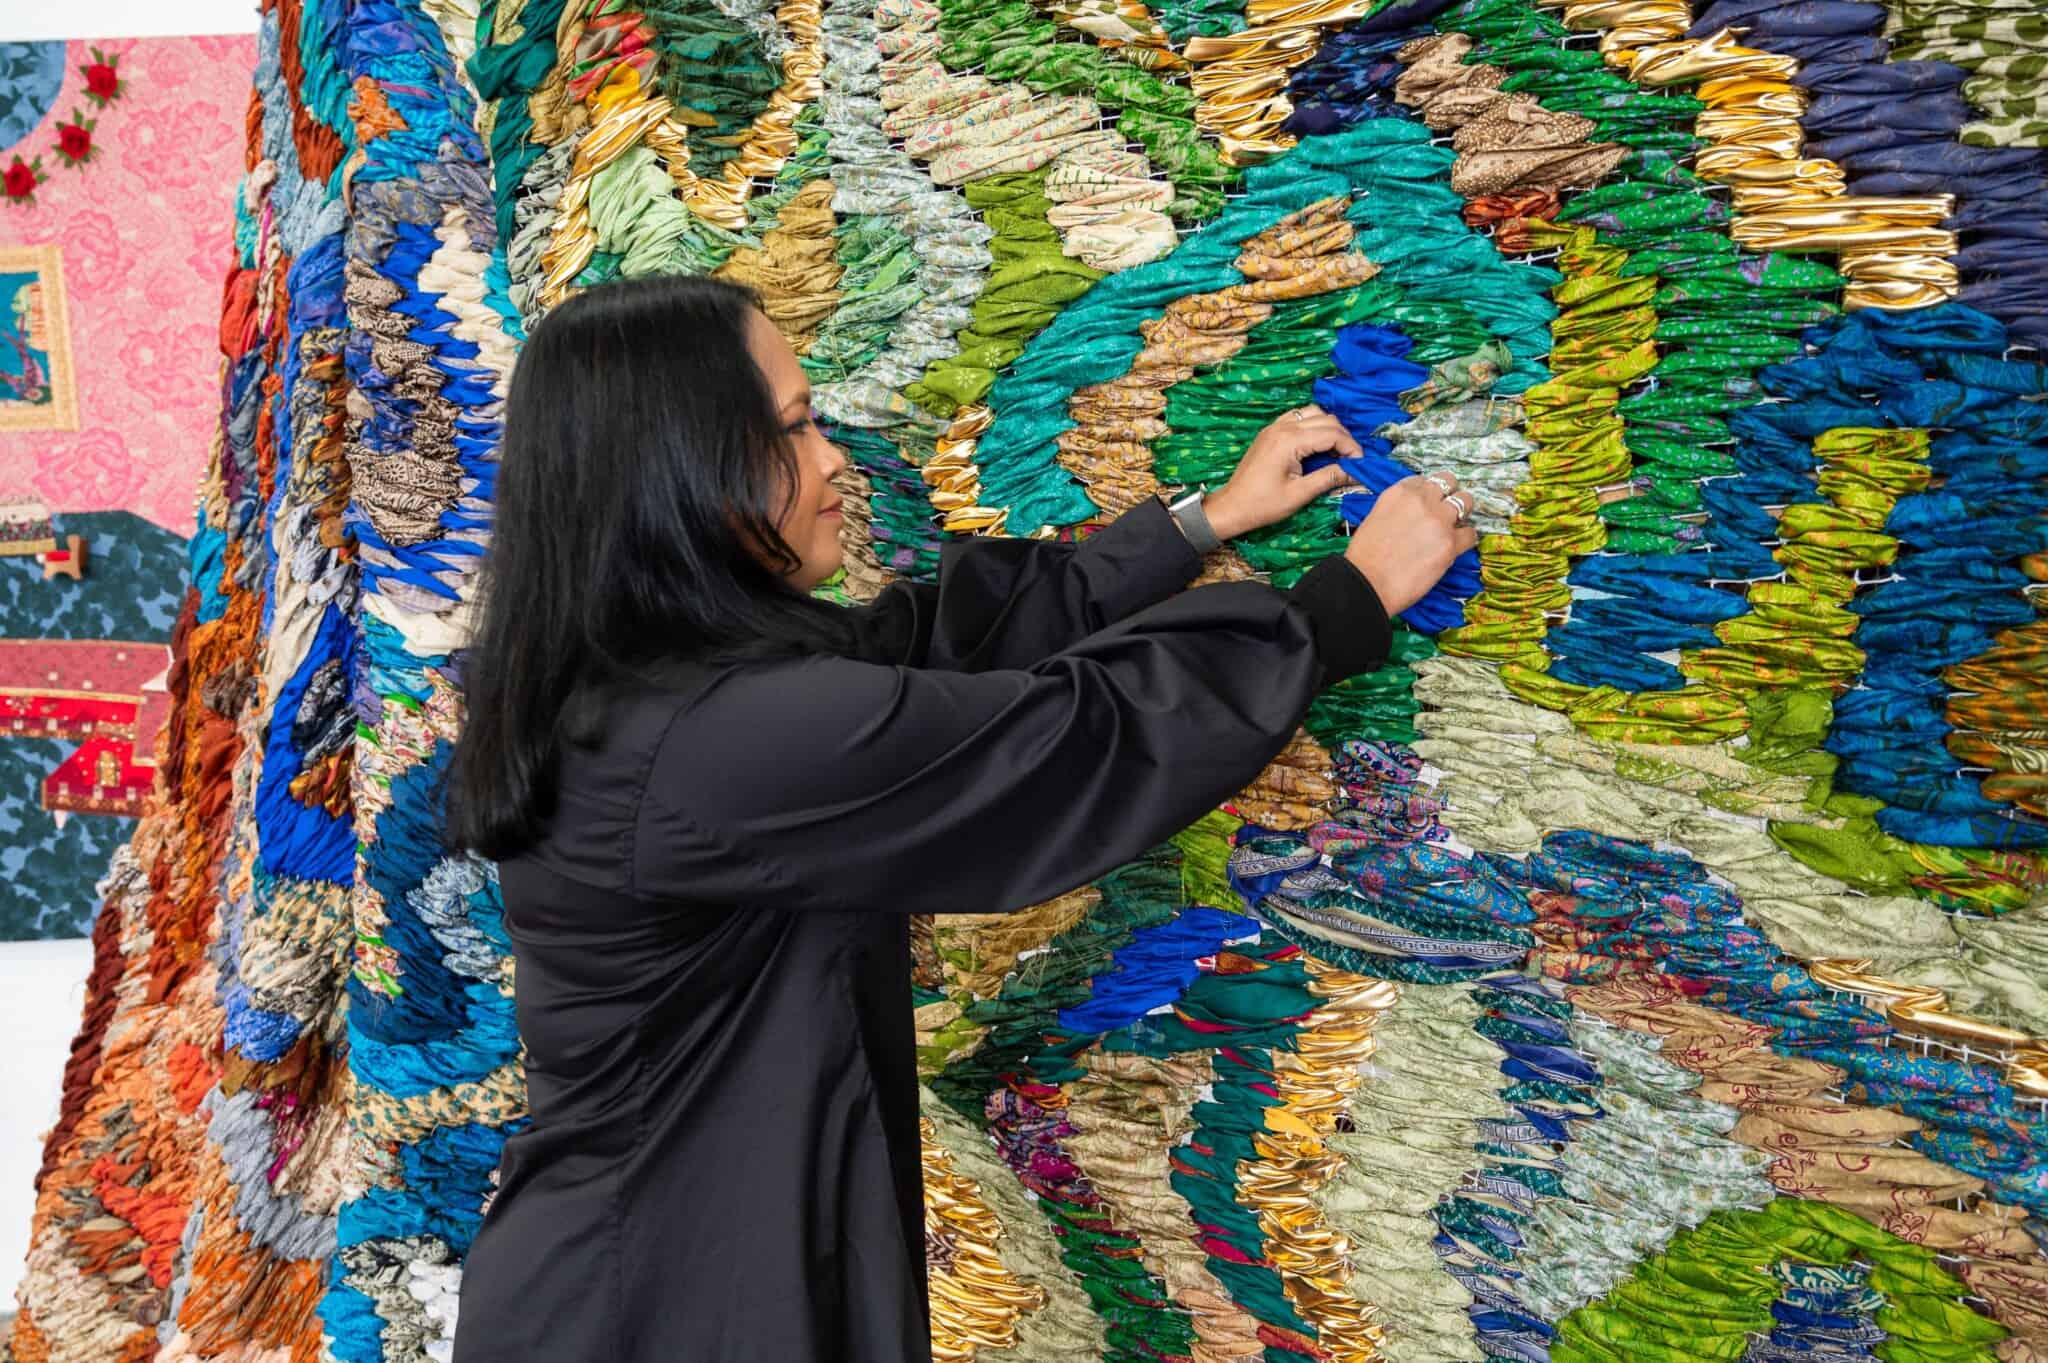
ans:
x=42 y=992
x=40 y=20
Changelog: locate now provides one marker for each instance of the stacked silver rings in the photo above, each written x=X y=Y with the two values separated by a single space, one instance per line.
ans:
x=1448 y=486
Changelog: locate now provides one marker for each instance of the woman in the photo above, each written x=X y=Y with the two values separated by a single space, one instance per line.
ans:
x=715 y=801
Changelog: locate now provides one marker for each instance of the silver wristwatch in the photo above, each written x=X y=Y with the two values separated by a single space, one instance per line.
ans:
x=1194 y=522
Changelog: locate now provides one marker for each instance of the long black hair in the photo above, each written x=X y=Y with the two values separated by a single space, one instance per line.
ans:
x=643 y=455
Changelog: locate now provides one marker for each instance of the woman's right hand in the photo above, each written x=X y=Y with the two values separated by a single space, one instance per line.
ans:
x=1408 y=540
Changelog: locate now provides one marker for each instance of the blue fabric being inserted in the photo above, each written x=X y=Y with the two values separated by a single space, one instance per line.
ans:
x=1156 y=968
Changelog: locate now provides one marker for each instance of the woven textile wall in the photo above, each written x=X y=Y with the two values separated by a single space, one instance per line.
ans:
x=1650 y=963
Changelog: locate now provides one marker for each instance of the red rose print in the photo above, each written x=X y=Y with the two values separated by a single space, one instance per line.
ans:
x=102 y=80
x=21 y=181
x=74 y=140
x=151 y=272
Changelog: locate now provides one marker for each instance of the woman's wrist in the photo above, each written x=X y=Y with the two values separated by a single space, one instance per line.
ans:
x=1224 y=517
x=1373 y=574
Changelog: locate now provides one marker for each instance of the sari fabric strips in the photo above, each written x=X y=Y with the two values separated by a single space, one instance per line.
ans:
x=1647 y=963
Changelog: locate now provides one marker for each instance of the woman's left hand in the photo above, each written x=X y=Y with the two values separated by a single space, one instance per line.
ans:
x=1269 y=485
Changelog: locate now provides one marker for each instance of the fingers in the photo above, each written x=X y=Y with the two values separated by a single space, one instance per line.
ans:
x=1289 y=423
x=1323 y=481
x=1304 y=427
x=1321 y=435
x=1452 y=511
x=1320 y=424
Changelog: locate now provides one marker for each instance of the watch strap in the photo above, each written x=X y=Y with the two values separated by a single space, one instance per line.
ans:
x=1194 y=523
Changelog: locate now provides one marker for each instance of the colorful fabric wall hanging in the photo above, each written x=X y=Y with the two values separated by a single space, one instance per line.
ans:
x=1649 y=963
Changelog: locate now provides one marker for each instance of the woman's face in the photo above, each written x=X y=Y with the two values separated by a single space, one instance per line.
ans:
x=810 y=521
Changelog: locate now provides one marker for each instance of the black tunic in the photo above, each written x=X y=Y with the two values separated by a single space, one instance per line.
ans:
x=711 y=940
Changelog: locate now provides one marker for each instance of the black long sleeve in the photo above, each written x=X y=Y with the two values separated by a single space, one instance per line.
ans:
x=839 y=784
x=1012 y=602
x=705 y=1048
x=1351 y=628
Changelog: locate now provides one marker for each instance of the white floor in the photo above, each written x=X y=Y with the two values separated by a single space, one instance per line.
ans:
x=42 y=992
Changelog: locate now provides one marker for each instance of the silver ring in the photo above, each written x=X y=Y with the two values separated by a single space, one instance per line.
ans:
x=1299 y=414
x=1442 y=482
x=1464 y=504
